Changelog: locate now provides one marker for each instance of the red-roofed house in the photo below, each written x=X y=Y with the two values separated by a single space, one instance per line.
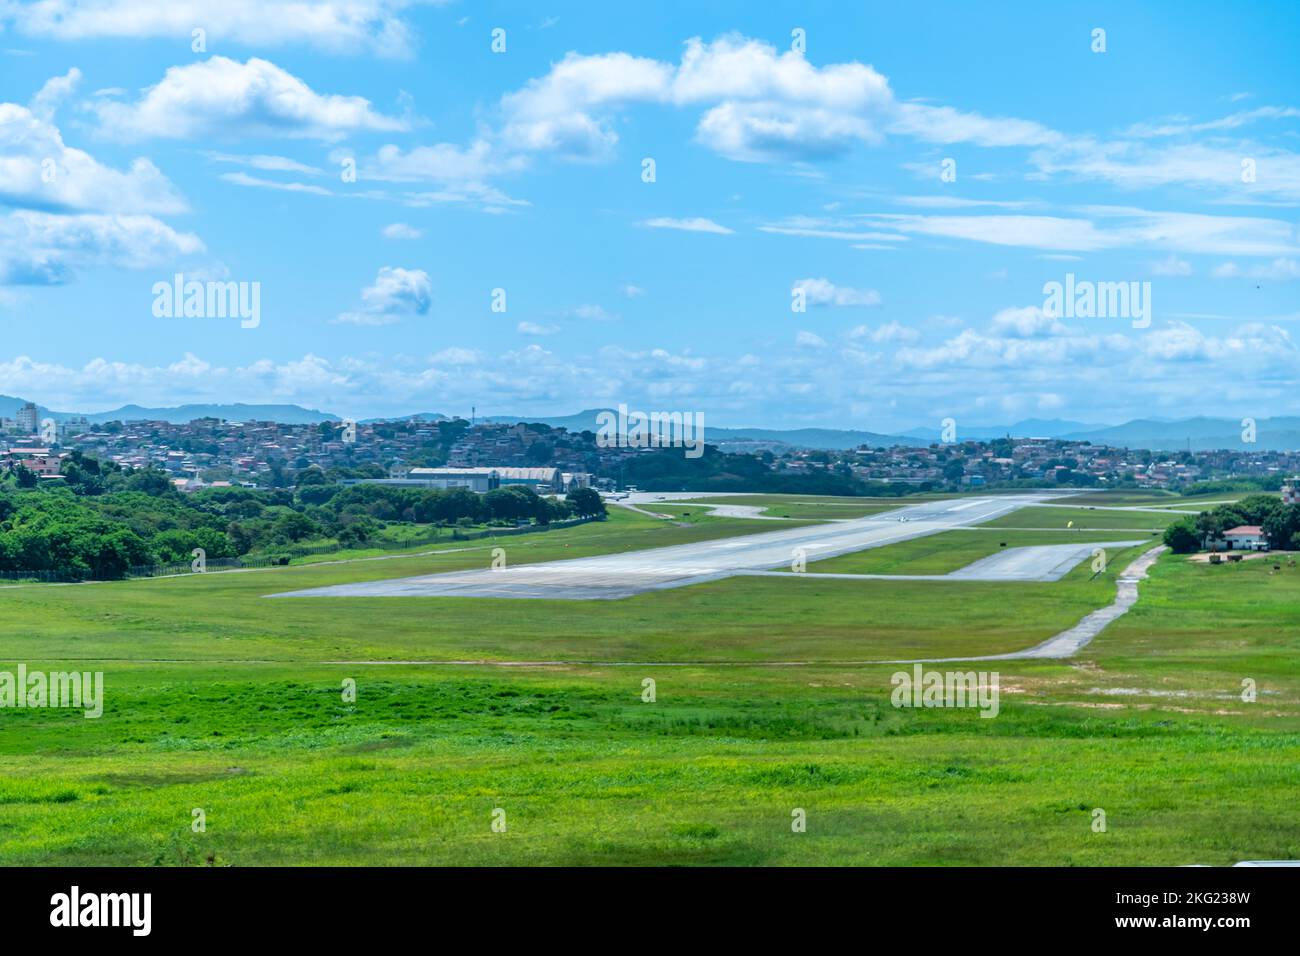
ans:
x=1246 y=537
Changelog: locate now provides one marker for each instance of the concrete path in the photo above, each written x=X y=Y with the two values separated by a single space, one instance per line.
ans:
x=1070 y=642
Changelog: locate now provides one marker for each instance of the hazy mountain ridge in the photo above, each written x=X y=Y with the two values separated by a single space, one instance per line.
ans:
x=1199 y=433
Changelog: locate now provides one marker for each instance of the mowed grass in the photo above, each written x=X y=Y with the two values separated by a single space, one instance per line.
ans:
x=1156 y=499
x=229 y=616
x=1147 y=724
x=953 y=550
x=1083 y=519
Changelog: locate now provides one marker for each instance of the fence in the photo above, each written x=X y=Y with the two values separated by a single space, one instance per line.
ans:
x=284 y=555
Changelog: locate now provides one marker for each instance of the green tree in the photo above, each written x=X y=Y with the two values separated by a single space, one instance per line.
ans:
x=1182 y=537
x=586 y=502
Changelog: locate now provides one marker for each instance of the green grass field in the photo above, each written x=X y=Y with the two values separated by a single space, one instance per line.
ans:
x=219 y=699
x=1084 y=519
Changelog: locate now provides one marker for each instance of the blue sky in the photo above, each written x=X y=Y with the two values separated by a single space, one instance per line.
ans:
x=775 y=170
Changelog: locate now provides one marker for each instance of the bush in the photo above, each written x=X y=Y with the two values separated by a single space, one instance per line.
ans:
x=1181 y=536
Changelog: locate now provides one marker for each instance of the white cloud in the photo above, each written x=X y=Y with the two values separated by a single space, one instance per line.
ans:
x=39 y=171
x=1171 y=266
x=595 y=313
x=460 y=173
x=1105 y=227
x=847 y=229
x=532 y=328
x=38 y=248
x=762 y=103
x=694 y=224
x=1139 y=165
x=440 y=163
x=757 y=132
x=1181 y=126
x=887 y=333
x=395 y=294
x=400 y=230
x=943 y=124
x=632 y=291
x=1022 y=338
x=1026 y=322
x=819 y=292
x=333 y=25
x=56 y=89
x=552 y=112
x=223 y=98
x=809 y=340
x=1279 y=270
x=274 y=164
x=259 y=182
x=454 y=355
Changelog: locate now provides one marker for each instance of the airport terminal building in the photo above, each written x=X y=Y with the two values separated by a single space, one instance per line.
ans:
x=544 y=481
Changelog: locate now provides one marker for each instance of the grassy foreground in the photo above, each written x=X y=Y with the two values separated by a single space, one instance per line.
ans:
x=248 y=725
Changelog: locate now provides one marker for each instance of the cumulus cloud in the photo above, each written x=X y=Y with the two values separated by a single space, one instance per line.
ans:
x=554 y=112
x=533 y=328
x=334 y=25
x=395 y=294
x=887 y=333
x=39 y=248
x=39 y=171
x=400 y=230
x=1027 y=322
x=1279 y=270
x=53 y=93
x=822 y=292
x=1022 y=338
x=595 y=313
x=222 y=98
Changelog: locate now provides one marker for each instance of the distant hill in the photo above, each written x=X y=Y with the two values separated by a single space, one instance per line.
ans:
x=1156 y=434
x=238 y=412
x=9 y=406
x=1198 y=434
x=1029 y=428
x=416 y=417
x=824 y=438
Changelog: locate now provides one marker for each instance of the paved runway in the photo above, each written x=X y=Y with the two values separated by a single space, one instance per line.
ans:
x=612 y=576
x=1041 y=562
x=642 y=501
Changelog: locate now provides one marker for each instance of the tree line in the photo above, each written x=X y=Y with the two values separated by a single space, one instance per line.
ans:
x=102 y=520
x=1280 y=524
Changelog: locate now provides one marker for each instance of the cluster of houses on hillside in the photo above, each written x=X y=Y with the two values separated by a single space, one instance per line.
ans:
x=445 y=453
x=989 y=463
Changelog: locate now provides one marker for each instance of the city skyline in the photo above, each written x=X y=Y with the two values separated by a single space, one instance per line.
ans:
x=384 y=179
